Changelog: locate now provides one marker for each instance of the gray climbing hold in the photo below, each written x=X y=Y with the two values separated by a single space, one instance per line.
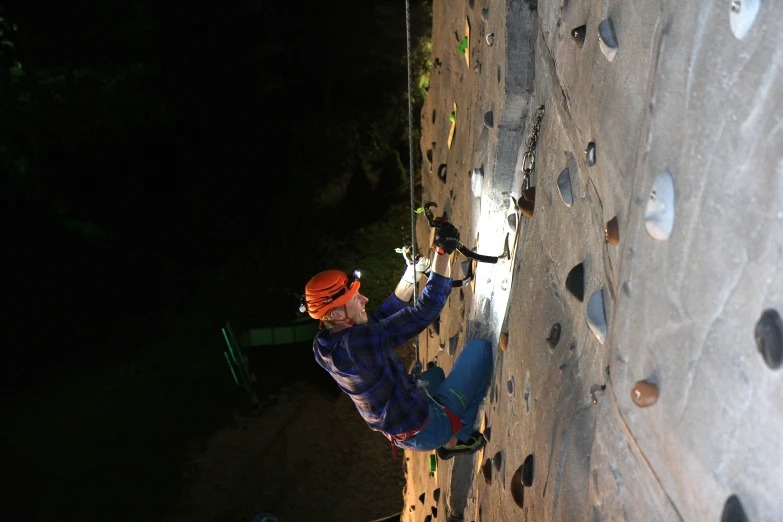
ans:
x=511 y=219
x=477 y=181
x=769 y=338
x=590 y=154
x=453 y=343
x=607 y=39
x=466 y=266
x=554 y=335
x=659 y=214
x=733 y=511
x=485 y=14
x=489 y=121
x=528 y=391
x=511 y=387
x=575 y=282
x=564 y=187
x=578 y=34
x=596 y=315
x=742 y=14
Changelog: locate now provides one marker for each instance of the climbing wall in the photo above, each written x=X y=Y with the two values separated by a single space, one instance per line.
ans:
x=636 y=322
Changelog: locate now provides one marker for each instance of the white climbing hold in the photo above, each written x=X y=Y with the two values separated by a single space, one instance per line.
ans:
x=659 y=215
x=596 y=315
x=564 y=187
x=607 y=39
x=742 y=14
x=477 y=181
x=590 y=154
x=511 y=221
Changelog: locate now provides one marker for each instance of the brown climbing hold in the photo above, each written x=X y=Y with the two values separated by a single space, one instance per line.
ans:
x=526 y=207
x=644 y=394
x=504 y=341
x=612 y=232
x=487 y=469
x=517 y=488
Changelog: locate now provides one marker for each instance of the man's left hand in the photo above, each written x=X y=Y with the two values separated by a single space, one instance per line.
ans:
x=414 y=272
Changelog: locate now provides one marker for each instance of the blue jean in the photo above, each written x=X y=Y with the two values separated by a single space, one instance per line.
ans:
x=461 y=392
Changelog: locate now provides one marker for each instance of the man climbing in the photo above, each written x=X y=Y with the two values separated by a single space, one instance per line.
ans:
x=358 y=351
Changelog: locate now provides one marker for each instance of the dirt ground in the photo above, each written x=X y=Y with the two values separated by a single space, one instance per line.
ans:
x=304 y=455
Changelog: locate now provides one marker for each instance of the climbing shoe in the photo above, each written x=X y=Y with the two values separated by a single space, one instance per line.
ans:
x=474 y=443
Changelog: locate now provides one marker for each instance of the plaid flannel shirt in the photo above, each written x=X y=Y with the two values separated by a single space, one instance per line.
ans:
x=363 y=362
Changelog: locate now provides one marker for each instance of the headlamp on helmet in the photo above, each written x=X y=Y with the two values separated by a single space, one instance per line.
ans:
x=329 y=290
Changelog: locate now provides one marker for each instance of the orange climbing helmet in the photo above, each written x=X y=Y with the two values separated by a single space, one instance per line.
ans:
x=328 y=290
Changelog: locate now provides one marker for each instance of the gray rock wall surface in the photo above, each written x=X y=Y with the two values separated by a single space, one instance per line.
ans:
x=692 y=89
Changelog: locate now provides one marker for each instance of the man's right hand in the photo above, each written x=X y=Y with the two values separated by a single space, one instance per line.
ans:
x=447 y=237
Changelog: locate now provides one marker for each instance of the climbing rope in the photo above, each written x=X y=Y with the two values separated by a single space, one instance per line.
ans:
x=410 y=155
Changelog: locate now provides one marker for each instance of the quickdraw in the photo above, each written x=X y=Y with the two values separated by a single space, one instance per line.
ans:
x=529 y=159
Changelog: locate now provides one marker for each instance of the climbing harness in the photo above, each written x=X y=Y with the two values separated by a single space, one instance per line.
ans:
x=454 y=420
x=529 y=159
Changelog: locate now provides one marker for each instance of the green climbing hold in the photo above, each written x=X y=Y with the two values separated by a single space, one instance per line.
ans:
x=433 y=463
x=463 y=45
x=452 y=117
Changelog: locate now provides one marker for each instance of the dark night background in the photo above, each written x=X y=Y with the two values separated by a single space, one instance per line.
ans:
x=166 y=166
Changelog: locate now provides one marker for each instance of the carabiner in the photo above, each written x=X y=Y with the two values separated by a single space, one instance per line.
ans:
x=528 y=162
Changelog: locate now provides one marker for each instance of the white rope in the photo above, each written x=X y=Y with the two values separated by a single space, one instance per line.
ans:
x=410 y=154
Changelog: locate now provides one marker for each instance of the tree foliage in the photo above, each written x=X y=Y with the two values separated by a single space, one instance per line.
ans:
x=146 y=147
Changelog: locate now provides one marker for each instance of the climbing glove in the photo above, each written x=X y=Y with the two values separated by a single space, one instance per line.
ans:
x=414 y=271
x=447 y=237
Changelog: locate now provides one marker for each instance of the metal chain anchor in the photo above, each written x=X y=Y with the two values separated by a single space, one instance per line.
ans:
x=529 y=159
